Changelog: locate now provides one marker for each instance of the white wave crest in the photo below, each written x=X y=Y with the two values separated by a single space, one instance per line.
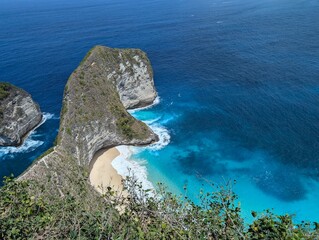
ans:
x=127 y=167
x=164 y=137
x=48 y=116
x=124 y=164
x=45 y=117
x=29 y=143
x=152 y=121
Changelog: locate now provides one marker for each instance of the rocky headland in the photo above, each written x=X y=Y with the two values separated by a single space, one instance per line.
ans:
x=54 y=199
x=94 y=113
x=19 y=114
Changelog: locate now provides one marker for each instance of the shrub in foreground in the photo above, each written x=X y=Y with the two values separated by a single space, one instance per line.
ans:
x=135 y=214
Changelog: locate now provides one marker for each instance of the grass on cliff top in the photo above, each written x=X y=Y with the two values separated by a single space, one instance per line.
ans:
x=4 y=90
x=86 y=56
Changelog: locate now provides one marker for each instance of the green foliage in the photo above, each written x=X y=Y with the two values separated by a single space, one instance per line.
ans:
x=29 y=211
x=69 y=131
x=125 y=125
x=86 y=56
x=4 y=90
x=63 y=110
x=22 y=215
x=123 y=121
x=117 y=110
x=47 y=152
x=271 y=226
x=55 y=143
x=66 y=90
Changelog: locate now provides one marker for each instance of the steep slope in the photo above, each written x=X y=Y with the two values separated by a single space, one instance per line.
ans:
x=19 y=114
x=94 y=113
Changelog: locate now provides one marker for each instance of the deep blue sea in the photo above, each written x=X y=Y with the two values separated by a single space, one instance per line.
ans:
x=238 y=82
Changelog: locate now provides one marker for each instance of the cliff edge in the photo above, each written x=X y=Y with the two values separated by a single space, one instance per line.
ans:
x=94 y=116
x=19 y=114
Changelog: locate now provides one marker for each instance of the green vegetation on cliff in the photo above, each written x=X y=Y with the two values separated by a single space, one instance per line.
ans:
x=4 y=93
x=28 y=210
x=4 y=90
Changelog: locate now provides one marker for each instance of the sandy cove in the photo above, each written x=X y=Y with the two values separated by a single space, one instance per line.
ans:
x=102 y=173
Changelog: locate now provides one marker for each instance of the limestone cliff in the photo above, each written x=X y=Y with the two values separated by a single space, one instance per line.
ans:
x=94 y=116
x=19 y=114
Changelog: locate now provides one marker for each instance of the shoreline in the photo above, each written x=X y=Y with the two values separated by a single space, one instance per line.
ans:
x=110 y=166
x=103 y=174
x=28 y=142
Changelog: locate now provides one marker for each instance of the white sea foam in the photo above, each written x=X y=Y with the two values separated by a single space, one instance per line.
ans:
x=167 y=119
x=125 y=166
x=29 y=143
x=164 y=137
x=28 y=146
x=45 y=117
x=48 y=116
x=152 y=121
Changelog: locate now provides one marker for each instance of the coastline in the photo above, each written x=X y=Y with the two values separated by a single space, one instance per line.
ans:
x=124 y=165
x=28 y=142
x=110 y=166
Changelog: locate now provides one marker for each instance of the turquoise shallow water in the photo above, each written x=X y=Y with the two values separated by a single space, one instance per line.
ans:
x=260 y=181
x=238 y=82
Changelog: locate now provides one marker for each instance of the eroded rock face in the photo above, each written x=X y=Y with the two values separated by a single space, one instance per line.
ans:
x=94 y=112
x=128 y=69
x=97 y=94
x=135 y=82
x=19 y=114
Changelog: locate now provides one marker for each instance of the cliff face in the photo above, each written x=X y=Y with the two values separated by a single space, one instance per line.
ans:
x=96 y=95
x=129 y=70
x=94 y=116
x=19 y=114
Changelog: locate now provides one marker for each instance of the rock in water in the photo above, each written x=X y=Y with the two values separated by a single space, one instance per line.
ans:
x=19 y=114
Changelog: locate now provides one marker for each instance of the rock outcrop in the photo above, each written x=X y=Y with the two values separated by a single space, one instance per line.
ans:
x=19 y=114
x=94 y=116
x=96 y=95
x=131 y=72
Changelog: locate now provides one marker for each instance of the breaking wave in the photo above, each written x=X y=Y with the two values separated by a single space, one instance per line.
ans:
x=30 y=143
x=125 y=166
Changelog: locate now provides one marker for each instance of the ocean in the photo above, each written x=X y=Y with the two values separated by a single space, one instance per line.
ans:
x=238 y=82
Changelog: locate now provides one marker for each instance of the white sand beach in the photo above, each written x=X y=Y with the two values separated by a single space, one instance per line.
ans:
x=102 y=173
